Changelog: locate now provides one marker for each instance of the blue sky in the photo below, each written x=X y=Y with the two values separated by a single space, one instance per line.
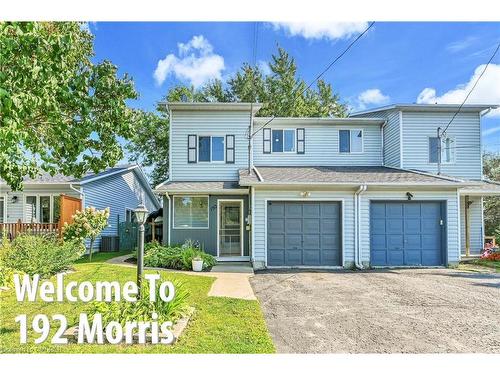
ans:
x=392 y=63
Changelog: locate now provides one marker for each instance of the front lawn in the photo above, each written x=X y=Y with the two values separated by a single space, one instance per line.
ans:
x=487 y=263
x=219 y=325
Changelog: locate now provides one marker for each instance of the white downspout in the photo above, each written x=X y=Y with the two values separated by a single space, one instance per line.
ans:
x=357 y=247
x=168 y=217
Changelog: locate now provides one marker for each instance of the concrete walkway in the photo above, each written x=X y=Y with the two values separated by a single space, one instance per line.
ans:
x=231 y=279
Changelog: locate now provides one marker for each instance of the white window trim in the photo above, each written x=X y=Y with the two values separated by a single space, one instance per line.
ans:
x=350 y=141
x=294 y=143
x=37 y=203
x=454 y=153
x=242 y=224
x=190 y=196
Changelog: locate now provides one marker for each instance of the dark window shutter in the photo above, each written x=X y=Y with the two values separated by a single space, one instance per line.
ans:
x=230 y=149
x=191 y=148
x=301 y=141
x=266 y=133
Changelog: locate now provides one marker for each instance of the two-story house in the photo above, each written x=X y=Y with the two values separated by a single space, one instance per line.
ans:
x=326 y=192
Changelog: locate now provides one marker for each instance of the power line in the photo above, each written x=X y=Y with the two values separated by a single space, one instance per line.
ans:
x=471 y=90
x=321 y=74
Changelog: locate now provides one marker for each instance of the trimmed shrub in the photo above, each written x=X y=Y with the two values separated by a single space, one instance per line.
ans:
x=39 y=254
x=175 y=257
x=141 y=310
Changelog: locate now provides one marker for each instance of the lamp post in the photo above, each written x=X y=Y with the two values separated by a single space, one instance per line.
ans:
x=141 y=214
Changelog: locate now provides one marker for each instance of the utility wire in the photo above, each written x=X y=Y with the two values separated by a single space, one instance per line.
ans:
x=471 y=90
x=320 y=75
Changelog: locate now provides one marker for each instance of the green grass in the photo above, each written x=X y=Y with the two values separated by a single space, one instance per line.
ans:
x=219 y=325
x=495 y=264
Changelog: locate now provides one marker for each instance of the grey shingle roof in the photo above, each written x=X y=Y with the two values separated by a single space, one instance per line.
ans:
x=340 y=175
x=46 y=178
x=201 y=186
x=482 y=187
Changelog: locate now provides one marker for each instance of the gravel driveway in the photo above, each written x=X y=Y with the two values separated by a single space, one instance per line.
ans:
x=381 y=311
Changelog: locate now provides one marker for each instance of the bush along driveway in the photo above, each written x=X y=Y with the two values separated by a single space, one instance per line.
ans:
x=381 y=311
x=219 y=325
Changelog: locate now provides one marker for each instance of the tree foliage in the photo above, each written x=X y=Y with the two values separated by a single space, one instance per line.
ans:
x=59 y=111
x=491 y=170
x=282 y=91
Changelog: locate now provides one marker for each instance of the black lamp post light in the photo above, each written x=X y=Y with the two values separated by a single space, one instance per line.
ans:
x=141 y=213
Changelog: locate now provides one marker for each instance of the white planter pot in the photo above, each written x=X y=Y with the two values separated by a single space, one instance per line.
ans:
x=197 y=265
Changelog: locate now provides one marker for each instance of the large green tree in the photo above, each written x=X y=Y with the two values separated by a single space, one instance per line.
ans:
x=283 y=92
x=491 y=170
x=60 y=112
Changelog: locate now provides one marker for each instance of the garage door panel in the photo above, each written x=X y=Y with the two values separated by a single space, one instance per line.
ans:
x=330 y=210
x=293 y=241
x=311 y=225
x=394 y=210
x=312 y=257
x=379 y=242
x=311 y=210
x=330 y=241
x=276 y=257
x=293 y=211
x=275 y=210
x=329 y=226
x=394 y=226
x=395 y=241
x=411 y=236
x=293 y=257
x=276 y=242
x=304 y=233
x=412 y=226
x=275 y=226
x=311 y=241
x=293 y=226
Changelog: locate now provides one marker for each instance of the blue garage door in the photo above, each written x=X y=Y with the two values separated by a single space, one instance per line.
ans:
x=407 y=233
x=304 y=234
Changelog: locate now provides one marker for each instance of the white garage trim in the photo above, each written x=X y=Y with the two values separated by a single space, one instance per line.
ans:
x=341 y=201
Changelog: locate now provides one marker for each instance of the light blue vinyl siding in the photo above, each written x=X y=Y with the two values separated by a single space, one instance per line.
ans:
x=475 y=224
x=322 y=147
x=203 y=123
x=392 y=142
x=118 y=192
x=465 y=130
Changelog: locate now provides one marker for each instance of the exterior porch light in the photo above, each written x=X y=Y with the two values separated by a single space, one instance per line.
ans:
x=141 y=214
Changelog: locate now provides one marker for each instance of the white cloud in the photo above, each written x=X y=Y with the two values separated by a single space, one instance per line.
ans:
x=320 y=30
x=487 y=90
x=371 y=97
x=196 y=63
x=460 y=45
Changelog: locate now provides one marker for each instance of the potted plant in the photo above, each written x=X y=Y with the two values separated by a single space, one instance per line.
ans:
x=197 y=264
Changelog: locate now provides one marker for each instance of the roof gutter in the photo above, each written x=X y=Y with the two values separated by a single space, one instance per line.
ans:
x=80 y=192
x=357 y=221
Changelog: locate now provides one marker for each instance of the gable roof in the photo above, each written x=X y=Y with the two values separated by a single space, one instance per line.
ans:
x=430 y=108
x=343 y=175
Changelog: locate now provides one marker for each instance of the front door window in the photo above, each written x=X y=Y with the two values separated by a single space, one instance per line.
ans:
x=230 y=222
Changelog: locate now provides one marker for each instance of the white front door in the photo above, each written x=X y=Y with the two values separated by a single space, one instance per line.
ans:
x=230 y=228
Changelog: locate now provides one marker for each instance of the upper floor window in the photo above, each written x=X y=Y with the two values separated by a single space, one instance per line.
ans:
x=447 y=150
x=351 y=141
x=284 y=141
x=208 y=148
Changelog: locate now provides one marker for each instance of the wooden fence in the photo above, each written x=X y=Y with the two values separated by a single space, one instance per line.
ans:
x=14 y=229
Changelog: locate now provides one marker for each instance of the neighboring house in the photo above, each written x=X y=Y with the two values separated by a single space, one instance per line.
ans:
x=120 y=188
x=326 y=192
